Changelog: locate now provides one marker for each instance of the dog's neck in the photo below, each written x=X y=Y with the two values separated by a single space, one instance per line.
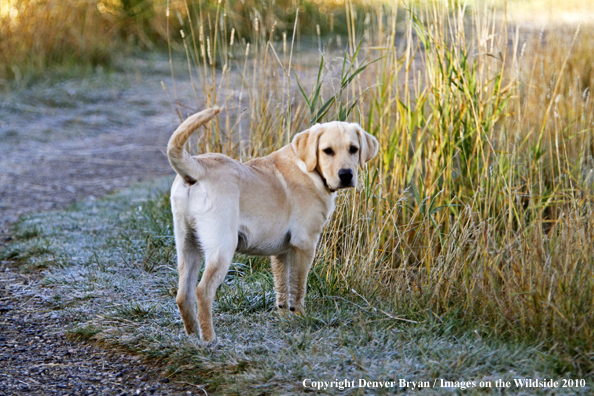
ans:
x=319 y=180
x=324 y=180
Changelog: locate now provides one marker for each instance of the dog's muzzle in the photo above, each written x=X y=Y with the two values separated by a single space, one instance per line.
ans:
x=346 y=177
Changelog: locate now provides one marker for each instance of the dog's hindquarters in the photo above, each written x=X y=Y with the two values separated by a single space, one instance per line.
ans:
x=202 y=232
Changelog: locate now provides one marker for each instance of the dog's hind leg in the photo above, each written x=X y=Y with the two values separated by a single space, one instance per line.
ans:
x=218 y=259
x=188 y=266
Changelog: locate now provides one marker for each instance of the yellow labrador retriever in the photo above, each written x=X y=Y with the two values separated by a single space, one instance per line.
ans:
x=273 y=206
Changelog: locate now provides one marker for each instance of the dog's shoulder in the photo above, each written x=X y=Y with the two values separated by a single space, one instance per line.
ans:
x=295 y=172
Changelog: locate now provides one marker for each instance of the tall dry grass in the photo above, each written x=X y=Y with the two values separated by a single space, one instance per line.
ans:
x=479 y=205
x=38 y=35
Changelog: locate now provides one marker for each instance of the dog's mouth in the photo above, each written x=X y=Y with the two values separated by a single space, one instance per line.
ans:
x=346 y=185
x=326 y=184
x=341 y=184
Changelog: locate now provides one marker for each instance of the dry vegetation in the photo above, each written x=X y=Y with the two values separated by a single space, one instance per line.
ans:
x=479 y=207
x=38 y=35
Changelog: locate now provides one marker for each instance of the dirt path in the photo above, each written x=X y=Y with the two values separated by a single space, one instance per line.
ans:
x=84 y=137
x=59 y=143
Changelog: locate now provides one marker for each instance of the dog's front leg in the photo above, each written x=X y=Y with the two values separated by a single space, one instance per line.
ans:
x=280 y=270
x=298 y=271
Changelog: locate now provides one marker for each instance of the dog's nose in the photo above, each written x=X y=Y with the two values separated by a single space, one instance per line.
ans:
x=345 y=175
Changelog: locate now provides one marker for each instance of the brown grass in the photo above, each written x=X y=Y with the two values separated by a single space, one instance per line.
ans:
x=37 y=35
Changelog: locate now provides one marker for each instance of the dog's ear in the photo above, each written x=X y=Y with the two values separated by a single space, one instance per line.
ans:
x=305 y=145
x=368 y=145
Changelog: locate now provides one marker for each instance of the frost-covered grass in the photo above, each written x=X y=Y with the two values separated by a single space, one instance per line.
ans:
x=109 y=272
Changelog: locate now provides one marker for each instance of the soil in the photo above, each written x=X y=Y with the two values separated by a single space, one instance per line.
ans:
x=61 y=142
x=82 y=138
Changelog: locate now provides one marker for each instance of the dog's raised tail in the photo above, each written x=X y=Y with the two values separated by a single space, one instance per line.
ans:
x=181 y=161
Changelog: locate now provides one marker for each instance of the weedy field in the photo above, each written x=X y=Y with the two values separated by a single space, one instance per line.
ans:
x=466 y=253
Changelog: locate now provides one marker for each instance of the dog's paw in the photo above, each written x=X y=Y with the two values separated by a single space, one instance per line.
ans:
x=282 y=301
x=297 y=309
x=208 y=338
x=209 y=342
x=213 y=344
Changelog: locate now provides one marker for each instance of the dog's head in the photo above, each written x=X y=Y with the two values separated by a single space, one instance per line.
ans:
x=336 y=150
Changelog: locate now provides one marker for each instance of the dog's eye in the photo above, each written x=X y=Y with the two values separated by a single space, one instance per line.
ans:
x=328 y=151
x=353 y=149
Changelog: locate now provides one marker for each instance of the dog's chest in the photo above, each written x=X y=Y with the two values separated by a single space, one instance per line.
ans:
x=275 y=235
x=260 y=245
